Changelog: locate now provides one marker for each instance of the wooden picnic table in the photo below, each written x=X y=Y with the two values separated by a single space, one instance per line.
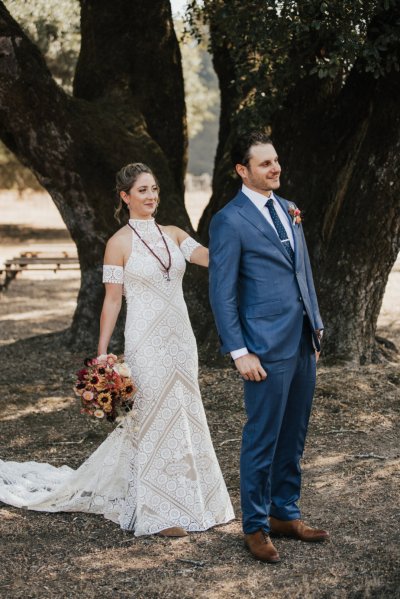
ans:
x=36 y=261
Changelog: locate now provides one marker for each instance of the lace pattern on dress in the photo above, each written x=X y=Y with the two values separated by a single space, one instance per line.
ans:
x=188 y=246
x=113 y=274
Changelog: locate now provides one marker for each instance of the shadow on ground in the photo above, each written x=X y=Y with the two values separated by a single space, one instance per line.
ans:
x=351 y=474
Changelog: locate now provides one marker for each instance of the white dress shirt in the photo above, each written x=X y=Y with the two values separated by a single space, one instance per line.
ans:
x=259 y=200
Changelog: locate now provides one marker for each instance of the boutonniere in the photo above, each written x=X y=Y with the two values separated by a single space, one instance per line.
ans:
x=295 y=213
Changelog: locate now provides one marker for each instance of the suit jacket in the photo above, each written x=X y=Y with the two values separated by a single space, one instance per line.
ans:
x=258 y=296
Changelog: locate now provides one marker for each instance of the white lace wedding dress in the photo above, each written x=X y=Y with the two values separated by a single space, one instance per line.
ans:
x=157 y=469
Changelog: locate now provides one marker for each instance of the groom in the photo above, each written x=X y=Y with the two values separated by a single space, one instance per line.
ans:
x=266 y=311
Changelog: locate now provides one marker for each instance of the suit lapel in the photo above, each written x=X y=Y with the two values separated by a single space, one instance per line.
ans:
x=254 y=216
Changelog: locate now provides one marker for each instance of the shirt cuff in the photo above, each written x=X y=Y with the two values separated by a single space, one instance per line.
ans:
x=238 y=353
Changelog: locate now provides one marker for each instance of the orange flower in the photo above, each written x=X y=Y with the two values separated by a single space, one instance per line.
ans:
x=105 y=401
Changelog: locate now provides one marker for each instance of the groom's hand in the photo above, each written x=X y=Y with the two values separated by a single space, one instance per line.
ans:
x=249 y=366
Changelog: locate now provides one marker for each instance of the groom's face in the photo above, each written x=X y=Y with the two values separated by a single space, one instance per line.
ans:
x=263 y=170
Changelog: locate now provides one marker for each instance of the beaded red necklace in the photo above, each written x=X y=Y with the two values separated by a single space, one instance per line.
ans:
x=165 y=267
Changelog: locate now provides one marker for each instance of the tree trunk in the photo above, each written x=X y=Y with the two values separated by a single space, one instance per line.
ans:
x=74 y=147
x=346 y=177
x=339 y=149
x=130 y=56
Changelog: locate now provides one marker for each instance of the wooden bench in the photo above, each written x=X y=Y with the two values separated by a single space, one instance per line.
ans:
x=36 y=261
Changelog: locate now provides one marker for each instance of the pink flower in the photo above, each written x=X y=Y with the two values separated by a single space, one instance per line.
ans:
x=87 y=395
x=90 y=362
x=295 y=213
x=111 y=359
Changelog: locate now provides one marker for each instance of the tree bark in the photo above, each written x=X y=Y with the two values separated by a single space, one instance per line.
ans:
x=74 y=147
x=130 y=56
x=339 y=148
x=346 y=177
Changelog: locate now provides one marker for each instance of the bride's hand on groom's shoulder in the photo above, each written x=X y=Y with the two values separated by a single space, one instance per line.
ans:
x=249 y=367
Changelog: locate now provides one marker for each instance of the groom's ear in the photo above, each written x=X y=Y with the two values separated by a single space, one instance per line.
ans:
x=241 y=170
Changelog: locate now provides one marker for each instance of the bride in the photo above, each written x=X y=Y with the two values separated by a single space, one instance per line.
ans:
x=157 y=472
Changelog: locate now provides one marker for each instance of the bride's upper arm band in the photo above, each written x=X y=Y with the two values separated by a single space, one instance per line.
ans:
x=188 y=246
x=113 y=274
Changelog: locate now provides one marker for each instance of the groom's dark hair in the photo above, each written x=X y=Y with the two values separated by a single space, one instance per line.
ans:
x=240 y=153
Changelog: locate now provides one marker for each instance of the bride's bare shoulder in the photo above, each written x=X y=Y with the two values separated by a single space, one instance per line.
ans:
x=122 y=236
x=118 y=247
x=177 y=234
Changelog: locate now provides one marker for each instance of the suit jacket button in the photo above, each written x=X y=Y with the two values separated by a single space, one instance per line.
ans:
x=300 y=299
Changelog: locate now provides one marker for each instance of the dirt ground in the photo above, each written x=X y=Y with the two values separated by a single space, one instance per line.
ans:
x=350 y=469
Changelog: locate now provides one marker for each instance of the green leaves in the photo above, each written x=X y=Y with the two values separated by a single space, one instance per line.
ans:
x=273 y=45
x=54 y=25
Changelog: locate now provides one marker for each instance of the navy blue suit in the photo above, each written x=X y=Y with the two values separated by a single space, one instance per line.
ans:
x=264 y=301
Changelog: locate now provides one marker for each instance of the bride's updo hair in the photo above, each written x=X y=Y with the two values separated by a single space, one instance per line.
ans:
x=125 y=179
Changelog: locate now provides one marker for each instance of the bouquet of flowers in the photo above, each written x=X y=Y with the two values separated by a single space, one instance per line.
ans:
x=105 y=387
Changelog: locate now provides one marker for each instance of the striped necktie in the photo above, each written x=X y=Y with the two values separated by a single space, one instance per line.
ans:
x=280 y=229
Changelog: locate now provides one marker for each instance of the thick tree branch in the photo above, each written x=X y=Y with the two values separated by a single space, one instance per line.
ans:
x=130 y=54
x=75 y=147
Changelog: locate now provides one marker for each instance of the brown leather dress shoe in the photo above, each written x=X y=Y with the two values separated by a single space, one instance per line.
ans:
x=297 y=529
x=260 y=546
x=174 y=531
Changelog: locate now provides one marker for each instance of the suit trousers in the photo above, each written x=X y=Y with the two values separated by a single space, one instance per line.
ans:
x=278 y=411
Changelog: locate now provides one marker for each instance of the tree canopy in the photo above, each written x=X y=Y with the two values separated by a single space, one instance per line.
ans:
x=272 y=45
